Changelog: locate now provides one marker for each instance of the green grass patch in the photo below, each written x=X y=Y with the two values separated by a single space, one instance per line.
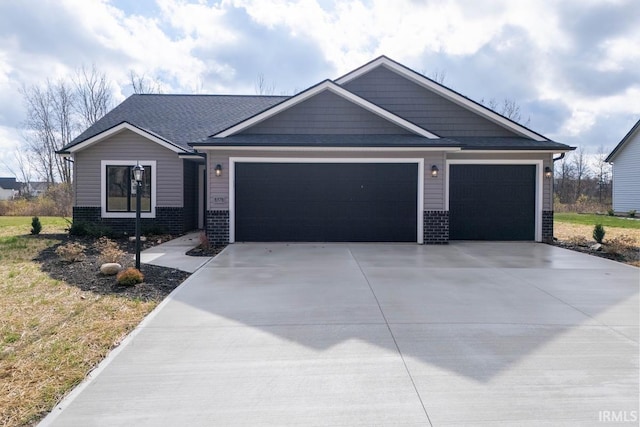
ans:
x=17 y=225
x=593 y=219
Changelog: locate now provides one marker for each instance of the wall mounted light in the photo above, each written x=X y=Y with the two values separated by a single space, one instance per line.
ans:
x=434 y=171
x=218 y=169
x=547 y=172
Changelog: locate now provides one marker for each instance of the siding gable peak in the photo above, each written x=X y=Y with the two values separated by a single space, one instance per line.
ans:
x=322 y=87
x=628 y=137
x=443 y=91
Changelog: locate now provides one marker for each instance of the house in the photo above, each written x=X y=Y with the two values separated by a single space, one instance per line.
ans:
x=8 y=188
x=625 y=160
x=382 y=153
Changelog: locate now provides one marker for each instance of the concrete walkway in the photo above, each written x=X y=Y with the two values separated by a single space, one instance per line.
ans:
x=172 y=254
x=480 y=334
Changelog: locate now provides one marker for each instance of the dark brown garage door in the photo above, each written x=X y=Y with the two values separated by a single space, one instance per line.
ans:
x=326 y=202
x=492 y=202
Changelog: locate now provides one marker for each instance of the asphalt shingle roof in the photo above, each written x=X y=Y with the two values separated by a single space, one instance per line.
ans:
x=181 y=118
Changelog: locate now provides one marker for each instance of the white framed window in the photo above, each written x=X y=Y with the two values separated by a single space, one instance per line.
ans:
x=117 y=188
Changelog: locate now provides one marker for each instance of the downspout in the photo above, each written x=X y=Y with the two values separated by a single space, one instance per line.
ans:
x=555 y=159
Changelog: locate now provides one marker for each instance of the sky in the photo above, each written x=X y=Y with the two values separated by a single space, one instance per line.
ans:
x=573 y=66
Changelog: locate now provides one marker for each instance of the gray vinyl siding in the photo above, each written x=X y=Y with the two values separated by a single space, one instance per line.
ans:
x=626 y=176
x=547 y=158
x=219 y=186
x=422 y=106
x=128 y=145
x=326 y=113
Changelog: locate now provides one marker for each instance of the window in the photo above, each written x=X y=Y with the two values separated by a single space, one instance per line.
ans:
x=119 y=189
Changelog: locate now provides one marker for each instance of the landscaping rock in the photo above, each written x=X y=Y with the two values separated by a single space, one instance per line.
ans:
x=596 y=247
x=110 y=268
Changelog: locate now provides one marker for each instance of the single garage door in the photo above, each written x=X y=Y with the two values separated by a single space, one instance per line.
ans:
x=326 y=202
x=492 y=202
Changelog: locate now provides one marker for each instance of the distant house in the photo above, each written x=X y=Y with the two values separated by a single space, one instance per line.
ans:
x=35 y=189
x=625 y=159
x=8 y=188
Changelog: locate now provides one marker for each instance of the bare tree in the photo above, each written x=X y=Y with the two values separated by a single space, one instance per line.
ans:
x=581 y=168
x=509 y=108
x=564 y=178
x=44 y=124
x=20 y=167
x=602 y=172
x=94 y=95
x=142 y=84
x=438 y=76
x=262 y=87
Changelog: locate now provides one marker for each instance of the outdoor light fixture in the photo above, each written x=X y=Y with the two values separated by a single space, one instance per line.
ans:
x=218 y=169
x=138 y=175
x=434 y=171
x=547 y=172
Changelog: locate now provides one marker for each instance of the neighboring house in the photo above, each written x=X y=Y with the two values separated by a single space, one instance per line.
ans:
x=8 y=188
x=625 y=159
x=380 y=154
x=35 y=189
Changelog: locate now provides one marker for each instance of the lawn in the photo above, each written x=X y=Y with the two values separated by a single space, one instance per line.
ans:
x=593 y=219
x=51 y=333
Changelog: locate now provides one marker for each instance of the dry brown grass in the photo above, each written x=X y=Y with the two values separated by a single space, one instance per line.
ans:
x=51 y=334
x=565 y=231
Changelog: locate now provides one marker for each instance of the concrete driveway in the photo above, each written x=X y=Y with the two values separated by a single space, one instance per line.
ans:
x=379 y=334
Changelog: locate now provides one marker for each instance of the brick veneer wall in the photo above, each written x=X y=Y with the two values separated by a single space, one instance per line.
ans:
x=170 y=220
x=547 y=226
x=436 y=227
x=218 y=227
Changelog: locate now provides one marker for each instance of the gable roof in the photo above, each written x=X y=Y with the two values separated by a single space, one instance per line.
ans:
x=179 y=119
x=9 y=184
x=443 y=91
x=622 y=143
x=326 y=85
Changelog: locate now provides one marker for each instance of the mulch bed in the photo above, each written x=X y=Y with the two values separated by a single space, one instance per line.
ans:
x=85 y=274
x=628 y=256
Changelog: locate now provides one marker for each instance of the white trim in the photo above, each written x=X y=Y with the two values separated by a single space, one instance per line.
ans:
x=103 y=188
x=442 y=91
x=232 y=177
x=539 y=182
x=332 y=87
x=303 y=148
x=119 y=128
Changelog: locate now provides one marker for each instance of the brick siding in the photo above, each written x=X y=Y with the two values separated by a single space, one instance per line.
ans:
x=436 y=227
x=218 y=227
x=547 y=226
x=170 y=220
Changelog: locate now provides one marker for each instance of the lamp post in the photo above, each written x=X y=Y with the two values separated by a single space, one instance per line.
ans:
x=138 y=174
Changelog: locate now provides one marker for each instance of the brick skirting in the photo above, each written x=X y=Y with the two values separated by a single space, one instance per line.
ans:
x=547 y=226
x=436 y=227
x=218 y=227
x=169 y=220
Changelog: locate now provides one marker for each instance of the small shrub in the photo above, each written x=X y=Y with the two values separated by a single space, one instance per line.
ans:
x=204 y=241
x=632 y=213
x=81 y=228
x=619 y=245
x=153 y=230
x=71 y=252
x=611 y=212
x=36 y=227
x=578 y=240
x=129 y=277
x=109 y=250
x=598 y=233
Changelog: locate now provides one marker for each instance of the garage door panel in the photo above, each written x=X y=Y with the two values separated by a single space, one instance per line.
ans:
x=492 y=202
x=326 y=202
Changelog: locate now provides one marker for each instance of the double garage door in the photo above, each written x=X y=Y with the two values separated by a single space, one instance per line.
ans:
x=377 y=202
x=326 y=202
